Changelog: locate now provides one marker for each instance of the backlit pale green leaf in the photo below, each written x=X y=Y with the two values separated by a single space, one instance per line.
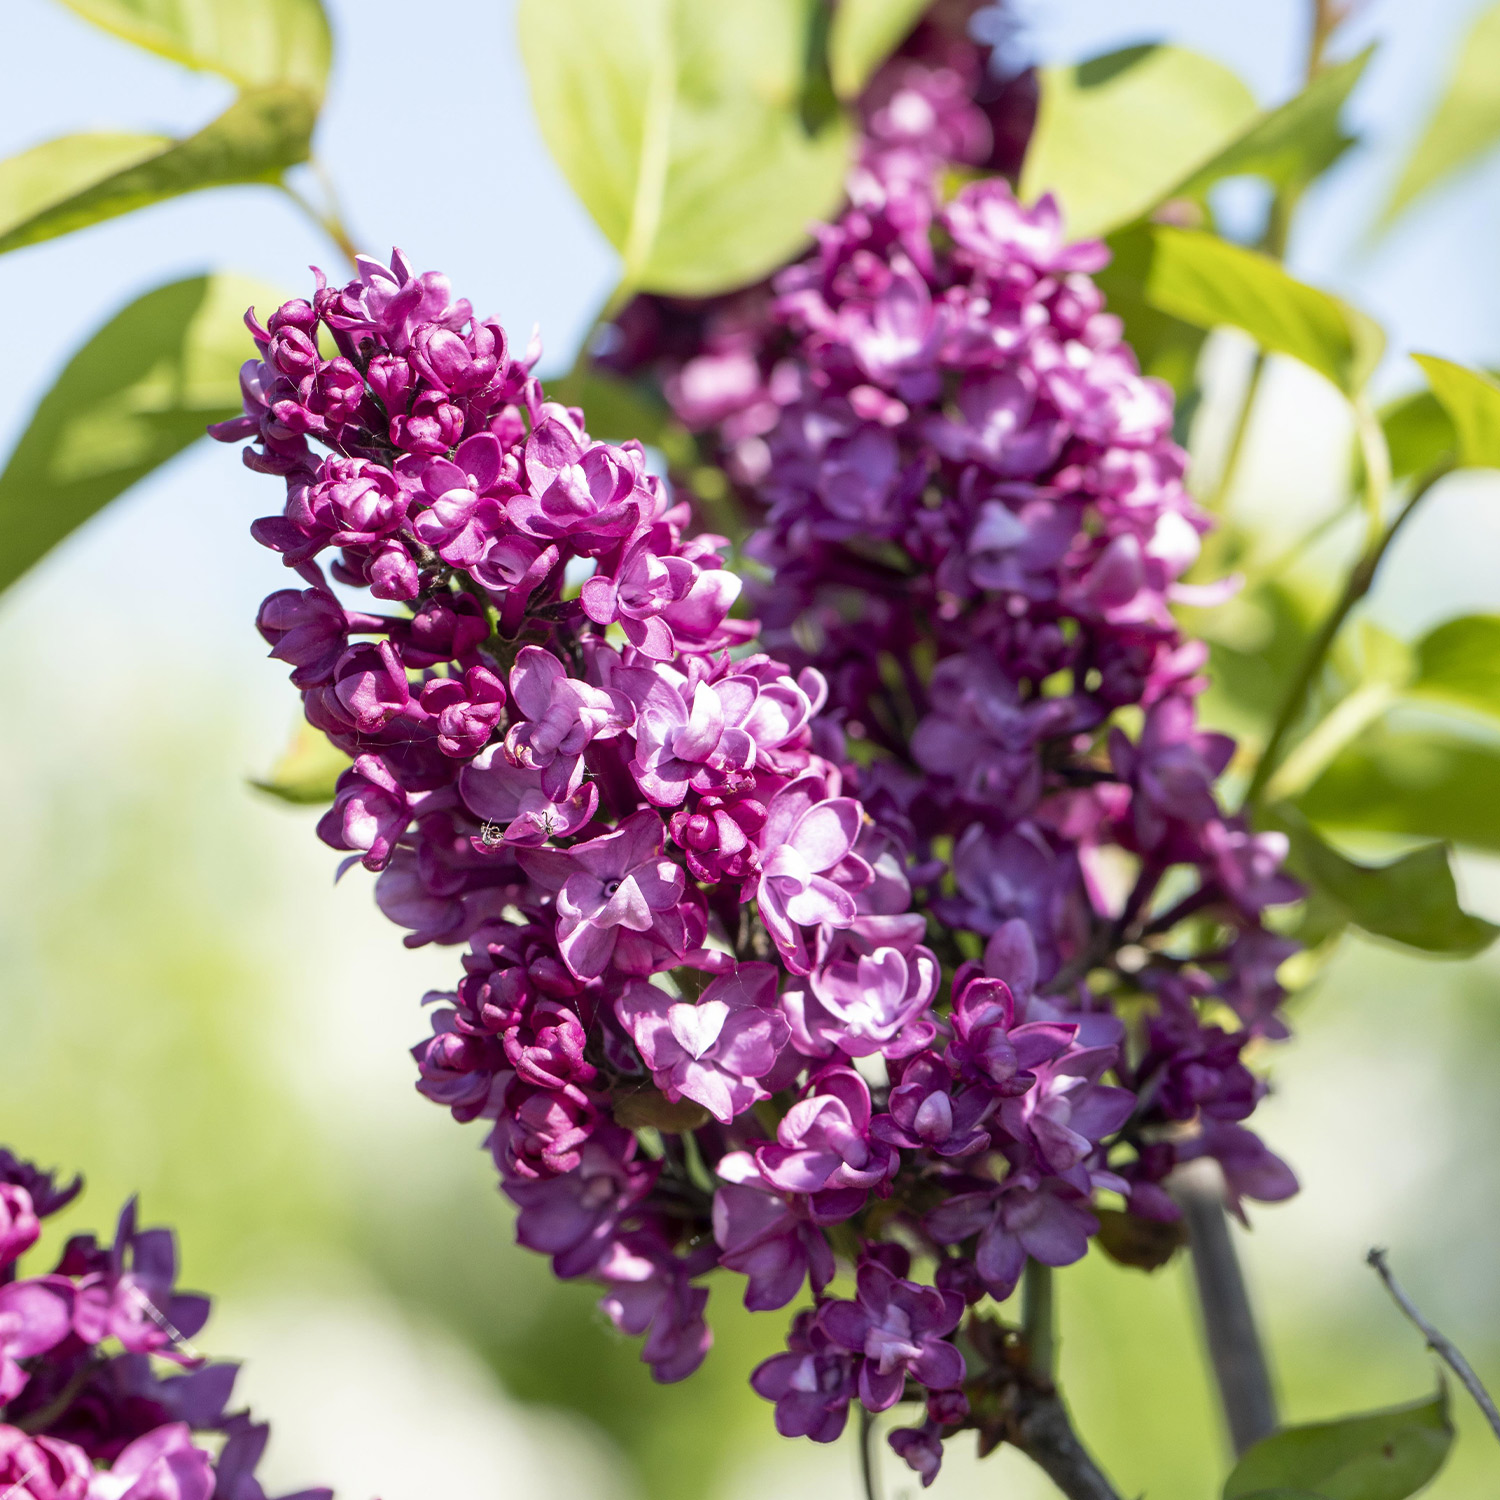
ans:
x=251 y=42
x=48 y=175
x=257 y=138
x=1466 y=122
x=863 y=34
x=1459 y=663
x=1418 y=433
x=1115 y=134
x=142 y=388
x=1386 y=1455
x=307 y=771
x=1206 y=281
x=679 y=126
x=1418 y=784
x=1292 y=144
x=1472 y=401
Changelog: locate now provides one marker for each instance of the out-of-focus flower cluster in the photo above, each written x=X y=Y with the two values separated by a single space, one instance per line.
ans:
x=910 y=947
x=102 y=1395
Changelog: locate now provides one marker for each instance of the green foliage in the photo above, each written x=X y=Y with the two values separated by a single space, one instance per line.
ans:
x=864 y=33
x=1418 y=784
x=307 y=771
x=1472 y=401
x=679 y=126
x=1412 y=900
x=617 y=410
x=1206 y=281
x=1459 y=663
x=1418 y=433
x=1166 y=347
x=1115 y=134
x=48 y=175
x=140 y=390
x=1465 y=124
x=257 y=138
x=252 y=43
x=1386 y=1455
x=1292 y=144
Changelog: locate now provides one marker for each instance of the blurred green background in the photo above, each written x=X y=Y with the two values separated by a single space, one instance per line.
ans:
x=190 y=1009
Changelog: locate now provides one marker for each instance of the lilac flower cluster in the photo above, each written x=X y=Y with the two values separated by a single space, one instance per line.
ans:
x=85 y=1410
x=699 y=1014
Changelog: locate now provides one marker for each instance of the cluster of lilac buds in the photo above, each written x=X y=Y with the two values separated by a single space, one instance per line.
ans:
x=87 y=1410
x=700 y=1016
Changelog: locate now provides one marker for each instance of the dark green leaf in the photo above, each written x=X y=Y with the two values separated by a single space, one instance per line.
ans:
x=254 y=140
x=250 y=42
x=1466 y=122
x=1459 y=662
x=615 y=409
x=1146 y=1244
x=863 y=35
x=308 y=770
x=1386 y=1455
x=1415 y=784
x=139 y=391
x=680 y=127
x=1292 y=144
x=1201 y=279
x=1472 y=402
x=1412 y=900
x=1115 y=134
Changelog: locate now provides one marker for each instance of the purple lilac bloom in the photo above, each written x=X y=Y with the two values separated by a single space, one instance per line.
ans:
x=88 y=1408
x=784 y=940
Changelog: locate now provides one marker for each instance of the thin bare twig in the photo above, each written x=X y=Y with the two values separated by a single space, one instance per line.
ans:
x=1439 y=1343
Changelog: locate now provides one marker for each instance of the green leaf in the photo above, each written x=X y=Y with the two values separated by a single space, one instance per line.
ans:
x=1416 y=784
x=1459 y=663
x=678 y=125
x=614 y=409
x=863 y=35
x=1206 y=281
x=1166 y=347
x=250 y=42
x=1291 y=145
x=254 y=140
x=1386 y=1455
x=1418 y=433
x=1412 y=900
x=138 y=392
x=1465 y=124
x=1115 y=134
x=307 y=771
x=48 y=175
x=1472 y=401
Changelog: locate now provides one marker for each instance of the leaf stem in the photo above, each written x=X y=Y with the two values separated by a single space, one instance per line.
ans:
x=1225 y=480
x=1039 y=1320
x=327 y=220
x=1234 y=1346
x=1439 y=1343
x=867 y=1461
x=1356 y=586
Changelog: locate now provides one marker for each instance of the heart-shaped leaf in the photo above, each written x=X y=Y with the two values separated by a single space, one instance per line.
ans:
x=1115 y=134
x=1466 y=122
x=863 y=34
x=1386 y=1455
x=1472 y=402
x=138 y=392
x=250 y=42
x=257 y=138
x=1206 y=281
x=679 y=126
